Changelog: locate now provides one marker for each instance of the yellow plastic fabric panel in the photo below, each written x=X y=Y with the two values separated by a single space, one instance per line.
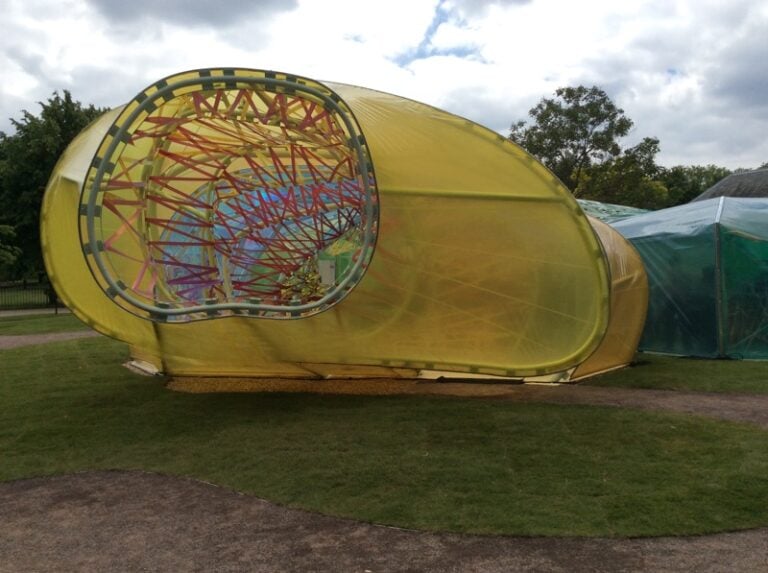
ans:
x=232 y=347
x=63 y=252
x=629 y=305
x=477 y=281
x=421 y=152
x=417 y=149
x=76 y=159
x=438 y=295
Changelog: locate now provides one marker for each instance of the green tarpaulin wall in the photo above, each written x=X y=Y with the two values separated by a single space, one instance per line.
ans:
x=707 y=265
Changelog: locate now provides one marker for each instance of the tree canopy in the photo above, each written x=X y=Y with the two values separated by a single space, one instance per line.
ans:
x=580 y=126
x=631 y=178
x=27 y=158
x=685 y=183
x=8 y=252
x=577 y=134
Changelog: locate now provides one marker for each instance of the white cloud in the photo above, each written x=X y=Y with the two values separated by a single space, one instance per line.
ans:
x=692 y=72
x=17 y=80
x=452 y=35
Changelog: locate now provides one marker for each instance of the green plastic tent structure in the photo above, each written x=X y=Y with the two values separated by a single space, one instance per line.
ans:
x=608 y=212
x=707 y=266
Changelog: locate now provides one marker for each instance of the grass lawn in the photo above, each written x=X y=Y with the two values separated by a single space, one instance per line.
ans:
x=673 y=373
x=40 y=324
x=433 y=463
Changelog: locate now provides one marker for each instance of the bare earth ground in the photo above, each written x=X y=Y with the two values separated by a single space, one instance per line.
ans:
x=135 y=521
x=132 y=521
x=29 y=339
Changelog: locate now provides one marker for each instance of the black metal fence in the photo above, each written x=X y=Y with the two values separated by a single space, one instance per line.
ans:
x=27 y=294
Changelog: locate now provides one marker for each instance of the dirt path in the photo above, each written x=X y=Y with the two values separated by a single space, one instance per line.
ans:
x=16 y=341
x=135 y=521
x=132 y=521
x=751 y=408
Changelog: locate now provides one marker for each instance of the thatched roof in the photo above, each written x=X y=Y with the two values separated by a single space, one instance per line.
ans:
x=746 y=184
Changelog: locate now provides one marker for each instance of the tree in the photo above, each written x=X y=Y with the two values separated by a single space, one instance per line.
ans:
x=577 y=128
x=27 y=159
x=688 y=182
x=8 y=252
x=631 y=178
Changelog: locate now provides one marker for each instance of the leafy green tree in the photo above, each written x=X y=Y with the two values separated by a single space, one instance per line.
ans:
x=8 y=252
x=576 y=129
x=27 y=159
x=631 y=178
x=688 y=182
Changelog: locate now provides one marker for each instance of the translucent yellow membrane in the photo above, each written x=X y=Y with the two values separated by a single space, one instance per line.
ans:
x=450 y=249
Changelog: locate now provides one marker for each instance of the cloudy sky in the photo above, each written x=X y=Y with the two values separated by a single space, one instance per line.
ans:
x=693 y=73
